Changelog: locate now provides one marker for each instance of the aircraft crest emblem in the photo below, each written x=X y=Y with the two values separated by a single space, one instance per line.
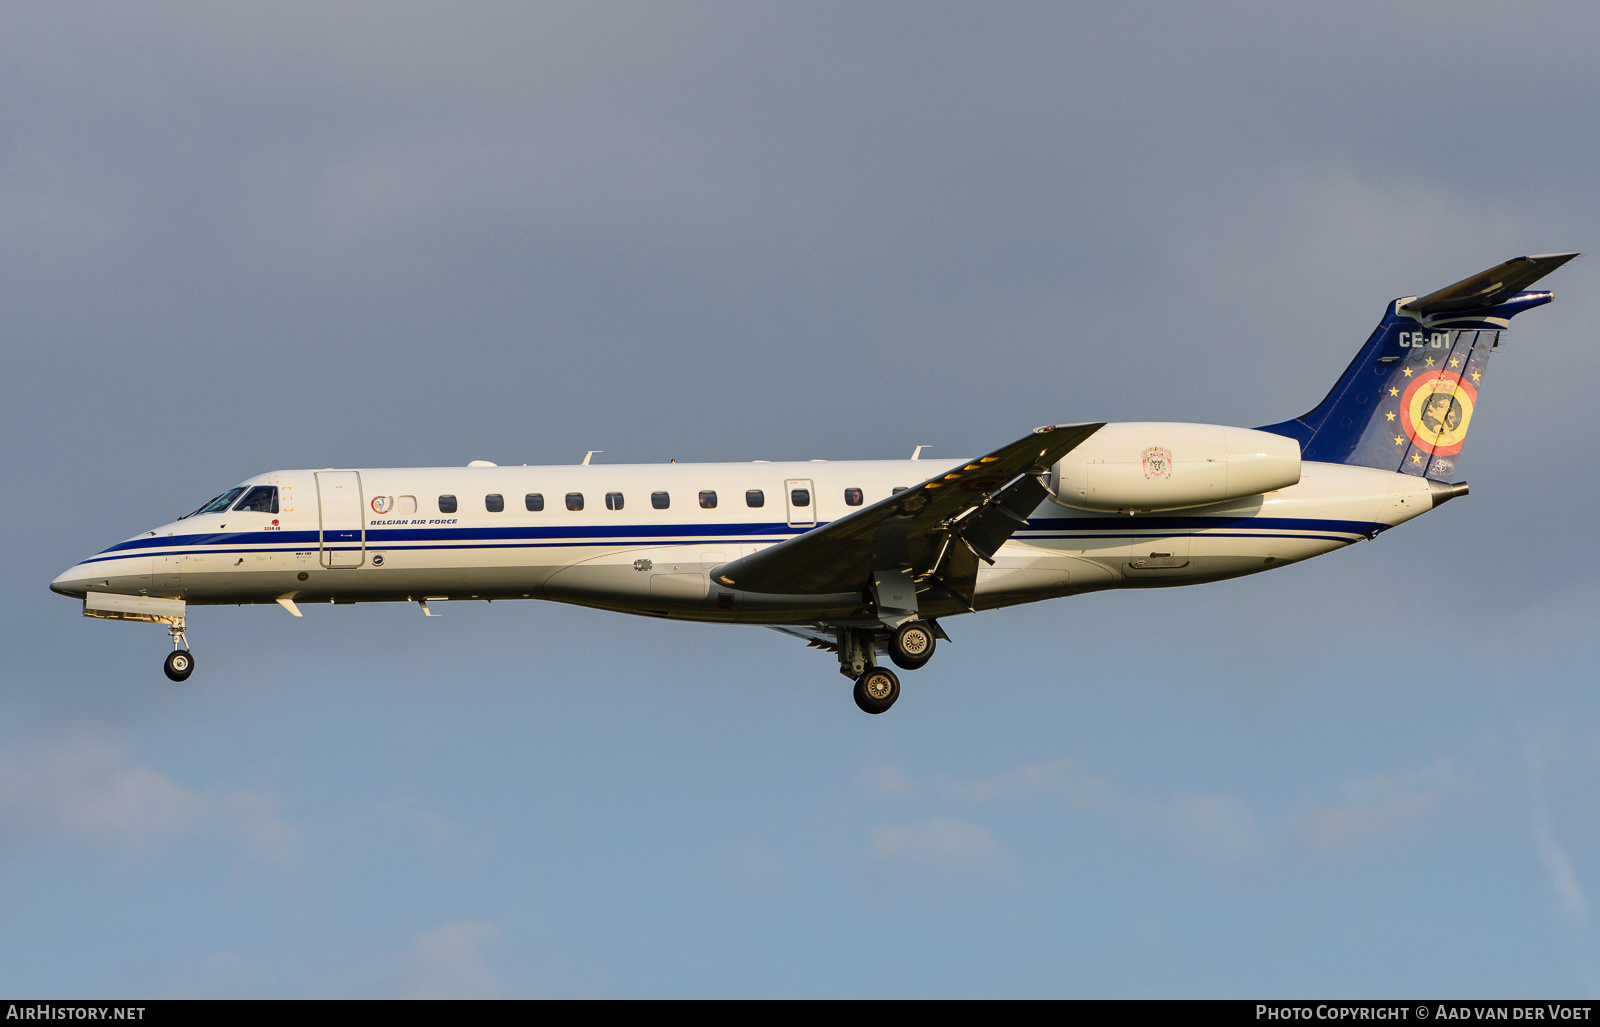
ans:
x=1435 y=411
x=382 y=504
x=1157 y=462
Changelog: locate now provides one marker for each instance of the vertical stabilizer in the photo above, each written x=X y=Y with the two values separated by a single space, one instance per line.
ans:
x=1406 y=401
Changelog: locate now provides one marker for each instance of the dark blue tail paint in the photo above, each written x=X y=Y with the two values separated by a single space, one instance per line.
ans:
x=1407 y=399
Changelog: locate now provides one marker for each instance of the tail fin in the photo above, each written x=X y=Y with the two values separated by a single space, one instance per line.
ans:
x=1406 y=400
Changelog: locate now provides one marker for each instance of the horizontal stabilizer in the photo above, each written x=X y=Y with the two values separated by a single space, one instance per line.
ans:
x=1488 y=288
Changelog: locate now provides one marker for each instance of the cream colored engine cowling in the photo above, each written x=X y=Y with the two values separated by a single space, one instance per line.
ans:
x=1154 y=465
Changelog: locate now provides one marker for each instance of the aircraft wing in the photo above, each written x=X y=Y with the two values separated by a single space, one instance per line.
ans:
x=936 y=531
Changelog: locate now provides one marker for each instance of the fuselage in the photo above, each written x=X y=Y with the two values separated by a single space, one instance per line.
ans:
x=646 y=538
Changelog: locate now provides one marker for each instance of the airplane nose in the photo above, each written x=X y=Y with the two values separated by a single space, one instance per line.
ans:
x=74 y=581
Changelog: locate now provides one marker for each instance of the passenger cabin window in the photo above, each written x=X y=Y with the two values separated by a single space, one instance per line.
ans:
x=897 y=490
x=447 y=504
x=574 y=500
x=494 y=503
x=754 y=498
x=261 y=499
x=406 y=505
x=708 y=500
x=660 y=500
x=800 y=497
x=613 y=501
x=852 y=497
x=534 y=501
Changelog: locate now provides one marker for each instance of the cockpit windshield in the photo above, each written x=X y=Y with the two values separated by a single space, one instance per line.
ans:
x=217 y=505
x=262 y=499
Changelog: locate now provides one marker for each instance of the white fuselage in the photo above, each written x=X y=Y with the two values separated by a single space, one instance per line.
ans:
x=370 y=535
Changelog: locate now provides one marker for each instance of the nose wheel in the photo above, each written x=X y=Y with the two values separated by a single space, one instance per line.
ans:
x=180 y=662
x=179 y=665
x=877 y=689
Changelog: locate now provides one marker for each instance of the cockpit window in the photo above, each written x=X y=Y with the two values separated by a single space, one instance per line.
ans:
x=261 y=499
x=219 y=504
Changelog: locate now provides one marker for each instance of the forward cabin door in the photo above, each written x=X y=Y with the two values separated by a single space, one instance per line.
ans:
x=343 y=528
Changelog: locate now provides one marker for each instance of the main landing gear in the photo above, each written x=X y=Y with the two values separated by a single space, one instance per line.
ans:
x=180 y=662
x=911 y=647
x=876 y=689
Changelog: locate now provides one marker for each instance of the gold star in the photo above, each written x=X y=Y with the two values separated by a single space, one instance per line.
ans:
x=1429 y=361
x=1416 y=458
x=1389 y=416
x=1477 y=377
x=1399 y=439
x=1455 y=362
x=1394 y=392
x=1406 y=372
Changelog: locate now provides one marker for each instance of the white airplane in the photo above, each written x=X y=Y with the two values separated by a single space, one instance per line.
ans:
x=861 y=557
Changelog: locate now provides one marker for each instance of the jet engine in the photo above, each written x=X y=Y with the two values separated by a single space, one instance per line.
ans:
x=1141 y=466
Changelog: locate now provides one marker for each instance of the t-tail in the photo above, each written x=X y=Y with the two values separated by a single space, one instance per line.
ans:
x=1406 y=401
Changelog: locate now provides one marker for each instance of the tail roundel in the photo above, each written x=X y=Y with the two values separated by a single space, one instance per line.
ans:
x=1406 y=401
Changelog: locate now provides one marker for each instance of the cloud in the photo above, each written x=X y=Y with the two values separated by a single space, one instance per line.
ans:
x=937 y=844
x=439 y=836
x=1558 y=869
x=1542 y=747
x=450 y=961
x=1372 y=808
x=1217 y=826
x=1223 y=828
x=89 y=791
x=886 y=780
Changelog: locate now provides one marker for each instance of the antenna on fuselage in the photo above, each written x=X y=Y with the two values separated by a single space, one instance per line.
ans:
x=916 y=454
x=589 y=454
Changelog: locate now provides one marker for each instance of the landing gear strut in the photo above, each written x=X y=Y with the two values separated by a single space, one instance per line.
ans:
x=180 y=662
x=876 y=687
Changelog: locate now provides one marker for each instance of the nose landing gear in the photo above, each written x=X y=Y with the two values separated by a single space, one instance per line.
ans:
x=179 y=665
x=180 y=662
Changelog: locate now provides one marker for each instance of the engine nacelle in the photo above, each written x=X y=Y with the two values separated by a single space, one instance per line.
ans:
x=1154 y=465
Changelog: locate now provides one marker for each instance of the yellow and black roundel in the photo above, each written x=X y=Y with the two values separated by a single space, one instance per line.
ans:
x=1435 y=411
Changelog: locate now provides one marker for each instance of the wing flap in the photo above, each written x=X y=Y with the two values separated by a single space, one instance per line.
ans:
x=932 y=529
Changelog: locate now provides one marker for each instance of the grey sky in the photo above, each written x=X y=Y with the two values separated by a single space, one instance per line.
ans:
x=241 y=237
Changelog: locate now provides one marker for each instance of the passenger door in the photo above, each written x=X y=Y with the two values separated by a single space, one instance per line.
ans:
x=343 y=521
x=800 y=497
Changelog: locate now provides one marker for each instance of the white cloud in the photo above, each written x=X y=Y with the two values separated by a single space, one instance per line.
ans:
x=937 y=844
x=1558 y=868
x=1212 y=825
x=450 y=961
x=1372 y=808
x=440 y=838
x=1222 y=827
x=89 y=791
x=886 y=780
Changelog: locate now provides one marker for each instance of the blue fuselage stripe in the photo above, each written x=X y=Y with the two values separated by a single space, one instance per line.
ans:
x=636 y=535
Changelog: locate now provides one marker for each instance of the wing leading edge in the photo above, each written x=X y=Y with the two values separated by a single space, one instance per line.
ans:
x=935 y=532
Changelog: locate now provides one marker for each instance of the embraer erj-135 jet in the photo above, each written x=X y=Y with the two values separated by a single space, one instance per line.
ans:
x=860 y=557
